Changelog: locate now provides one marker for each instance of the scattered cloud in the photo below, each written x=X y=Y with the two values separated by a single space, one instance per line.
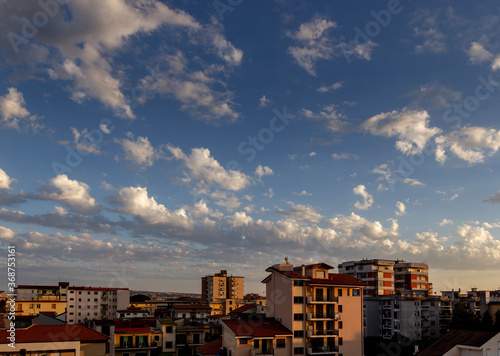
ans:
x=263 y=171
x=471 y=144
x=341 y=156
x=367 y=197
x=302 y=213
x=264 y=102
x=329 y=115
x=14 y=114
x=401 y=209
x=303 y=193
x=494 y=199
x=409 y=126
x=478 y=54
x=139 y=151
x=333 y=87
x=5 y=180
x=445 y=222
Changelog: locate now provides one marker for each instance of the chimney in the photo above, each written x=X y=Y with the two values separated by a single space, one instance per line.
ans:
x=303 y=269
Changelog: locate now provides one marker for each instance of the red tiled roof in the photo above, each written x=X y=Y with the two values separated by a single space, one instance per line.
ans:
x=457 y=337
x=244 y=308
x=338 y=279
x=135 y=323
x=134 y=330
x=289 y=274
x=47 y=333
x=212 y=348
x=191 y=306
x=264 y=328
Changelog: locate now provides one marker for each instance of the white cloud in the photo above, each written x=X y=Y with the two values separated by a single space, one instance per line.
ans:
x=355 y=226
x=333 y=120
x=303 y=213
x=203 y=167
x=471 y=144
x=367 y=197
x=303 y=193
x=478 y=54
x=5 y=180
x=263 y=102
x=412 y=181
x=83 y=142
x=312 y=154
x=140 y=151
x=6 y=235
x=409 y=126
x=341 y=156
x=315 y=43
x=496 y=63
x=401 y=209
x=427 y=26
x=263 y=171
x=494 y=199
x=14 y=114
x=73 y=193
x=270 y=193
x=326 y=89
x=445 y=222
x=239 y=219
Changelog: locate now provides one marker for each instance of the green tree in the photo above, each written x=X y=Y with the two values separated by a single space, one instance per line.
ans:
x=463 y=318
x=486 y=322
x=139 y=298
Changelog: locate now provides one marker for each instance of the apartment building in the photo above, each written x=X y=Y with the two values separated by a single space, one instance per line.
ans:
x=385 y=277
x=411 y=315
x=42 y=292
x=323 y=310
x=221 y=286
x=95 y=303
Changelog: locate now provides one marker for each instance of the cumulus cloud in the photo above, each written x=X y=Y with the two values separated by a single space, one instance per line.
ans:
x=478 y=54
x=263 y=171
x=14 y=114
x=367 y=197
x=409 y=126
x=471 y=144
x=139 y=151
x=72 y=193
x=445 y=222
x=401 y=209
x=355 y=226
x=303 y=213
x=5 y=180
x=84 y=143
x=303 y=193
x=6 y=235
x=426 y=26
x=204 y=168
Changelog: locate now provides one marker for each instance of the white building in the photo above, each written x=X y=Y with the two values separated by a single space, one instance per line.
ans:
x=95 y=303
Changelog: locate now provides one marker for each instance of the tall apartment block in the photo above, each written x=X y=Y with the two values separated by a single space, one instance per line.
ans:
x=221 y=286
x=95 y=303
x=385 y=277
x=323 y=310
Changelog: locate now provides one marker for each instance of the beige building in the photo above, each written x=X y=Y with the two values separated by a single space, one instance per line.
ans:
x=222 y=293
x=42 y=292
x=251 y=337
x=67 y=340
x=35 y=307
x=323 y=310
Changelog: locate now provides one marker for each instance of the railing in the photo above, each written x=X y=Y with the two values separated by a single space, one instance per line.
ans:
x=322 y=299
x=332 y=316
x=322 y=350
x=323 y=332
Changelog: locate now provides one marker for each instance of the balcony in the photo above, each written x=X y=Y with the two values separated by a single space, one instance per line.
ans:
x=266 y=352
x=135 y=346
x=323 y=316
x=322 y=350
x=322 y=333
x=322 y=300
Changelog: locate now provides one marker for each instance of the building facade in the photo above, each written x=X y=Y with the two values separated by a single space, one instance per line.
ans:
x=86 y=303
x=323 y=310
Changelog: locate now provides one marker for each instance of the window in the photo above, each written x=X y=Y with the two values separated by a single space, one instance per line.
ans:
x=38 y=306
x=71 y=313
x=341 y=341
x=88 y=299
x=168 y=345
x=340 y=292
x=79 y=299
x=32 y=306
x=298 y=350
x=298 y=333
x=298 y=283
x=280 y=343
x=95 y=299
x=340 y=308
x=157 y=337
x=53 y=306
x=320 y=274
x=79 y=292
x=340 y=325
x=243 y=341
x=71 y=299
x=298 y=300
x=256 y=343
x=298 y=317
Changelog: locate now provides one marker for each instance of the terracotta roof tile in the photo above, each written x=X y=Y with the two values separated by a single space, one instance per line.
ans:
x=457 y=337
x=264 y=328
x=212 y=348
x=45 y=333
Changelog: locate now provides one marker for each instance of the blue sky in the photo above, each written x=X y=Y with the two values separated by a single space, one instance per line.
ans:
x=146 y=144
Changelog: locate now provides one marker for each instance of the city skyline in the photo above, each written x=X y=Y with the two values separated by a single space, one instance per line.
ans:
x=148 y=144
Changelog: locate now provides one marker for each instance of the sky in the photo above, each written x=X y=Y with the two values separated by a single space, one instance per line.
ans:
x=145 y=144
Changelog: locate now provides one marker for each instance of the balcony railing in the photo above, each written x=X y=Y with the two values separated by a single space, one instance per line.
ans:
x=322 y=299
x=323 y=316
x=322 y=350
x=322 y=333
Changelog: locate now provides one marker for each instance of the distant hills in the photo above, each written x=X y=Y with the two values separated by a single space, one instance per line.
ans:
x=164 y=295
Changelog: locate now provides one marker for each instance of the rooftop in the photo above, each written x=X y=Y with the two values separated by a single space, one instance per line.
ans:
x=51 y=333
x=457 y=337
x=264 y=328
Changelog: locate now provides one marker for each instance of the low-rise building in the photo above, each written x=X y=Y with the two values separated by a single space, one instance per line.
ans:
x=256 y=337
x=190 y=335
x=68 y=340
x=465 y=343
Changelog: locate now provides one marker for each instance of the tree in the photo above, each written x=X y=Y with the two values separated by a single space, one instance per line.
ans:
x=139 y=298
x=496 y=326
x=463 y=318
x=486 y=322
